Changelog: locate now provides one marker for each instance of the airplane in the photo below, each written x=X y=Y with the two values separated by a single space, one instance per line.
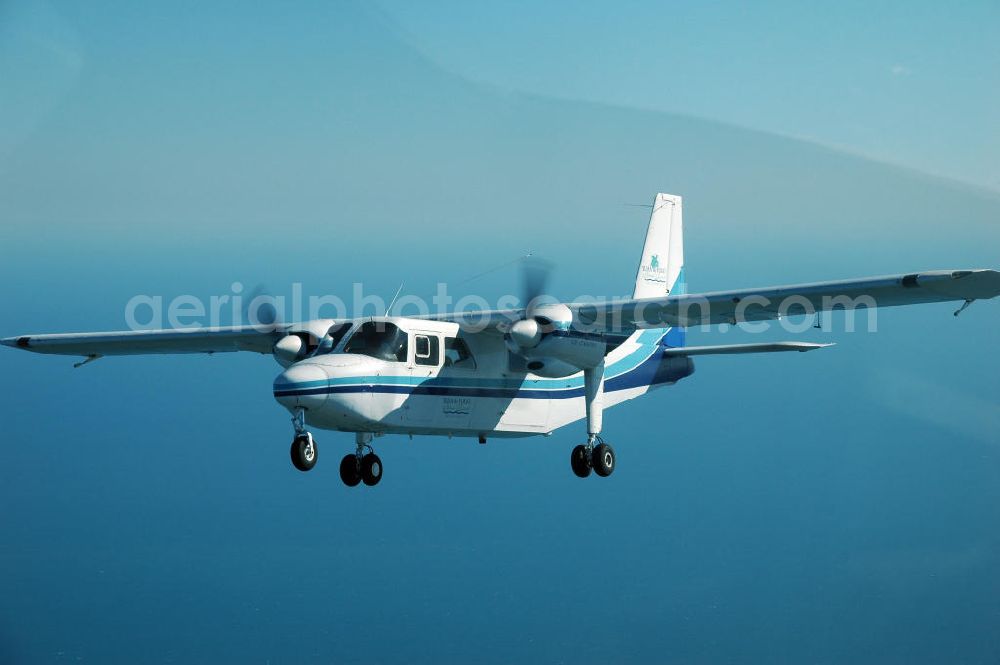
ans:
x=515 y=372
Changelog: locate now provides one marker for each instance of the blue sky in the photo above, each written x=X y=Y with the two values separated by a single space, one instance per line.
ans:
x=837 y=506
x=916 y=84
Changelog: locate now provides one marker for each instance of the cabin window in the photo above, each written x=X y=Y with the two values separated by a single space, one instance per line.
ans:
x=456 y=354
x=426 y=350
x=384 y=341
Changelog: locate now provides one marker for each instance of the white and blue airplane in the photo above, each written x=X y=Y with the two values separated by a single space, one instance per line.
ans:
x=518 y=372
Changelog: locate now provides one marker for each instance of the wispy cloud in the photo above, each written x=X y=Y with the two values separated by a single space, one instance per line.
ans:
x=899 y=70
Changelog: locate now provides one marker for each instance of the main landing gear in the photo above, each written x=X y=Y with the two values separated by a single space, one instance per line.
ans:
x=361 y=466
x=595 y=455
x=598 y=458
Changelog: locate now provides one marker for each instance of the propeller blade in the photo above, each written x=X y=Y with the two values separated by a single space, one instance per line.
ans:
x=534 y=277
x=260 y=307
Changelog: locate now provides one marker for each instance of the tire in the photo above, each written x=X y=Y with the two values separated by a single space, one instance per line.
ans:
x=603 y=460
x=578 y=459
x=371 y=469
x=349 y=471
x=304 y=453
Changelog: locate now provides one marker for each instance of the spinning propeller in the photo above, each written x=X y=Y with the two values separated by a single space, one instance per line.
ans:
x=259 y=309
x=535 y=274
x=539 y=317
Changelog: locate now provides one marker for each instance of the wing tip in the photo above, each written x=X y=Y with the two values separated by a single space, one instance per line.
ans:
x=975 y=284
x=812 y=346
x=22 y=342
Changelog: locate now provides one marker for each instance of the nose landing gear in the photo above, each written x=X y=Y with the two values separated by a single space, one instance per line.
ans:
x=361 y=466
x=304 y=452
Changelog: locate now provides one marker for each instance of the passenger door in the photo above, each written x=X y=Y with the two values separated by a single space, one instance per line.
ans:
x=424 y=404
x=456 y=378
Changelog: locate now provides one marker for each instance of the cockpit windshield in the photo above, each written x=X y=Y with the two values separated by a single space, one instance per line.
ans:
x=332 y=338
x=384 y=341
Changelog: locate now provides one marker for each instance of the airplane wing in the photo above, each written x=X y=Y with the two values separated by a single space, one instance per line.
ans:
x=613 y=315
x=124 y=343
x=774 y=302
x=760 y=304
x=734 y=349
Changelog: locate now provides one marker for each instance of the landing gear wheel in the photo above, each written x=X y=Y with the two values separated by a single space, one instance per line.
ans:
x=304 y=452
x=603 y=460
x=580 y=461
x=371 y=469
x=349 y=471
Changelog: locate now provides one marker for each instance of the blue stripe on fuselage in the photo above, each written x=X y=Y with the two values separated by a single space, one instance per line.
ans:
x=638 y=368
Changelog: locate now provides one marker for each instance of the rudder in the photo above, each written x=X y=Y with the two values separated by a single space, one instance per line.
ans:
x=661 y=266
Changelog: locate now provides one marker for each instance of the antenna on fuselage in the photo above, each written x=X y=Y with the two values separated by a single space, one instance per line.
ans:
x=388 y=310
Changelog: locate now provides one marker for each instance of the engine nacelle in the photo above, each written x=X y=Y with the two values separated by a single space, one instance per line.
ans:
x=579 y=352
x=300 y=341
x=550 y=368
x=548 y=345
x=289 y=349
x=553 y=316
x=526 y=334
x=559 y=355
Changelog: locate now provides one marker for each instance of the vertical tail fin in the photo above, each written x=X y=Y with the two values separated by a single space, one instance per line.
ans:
x=661 y=268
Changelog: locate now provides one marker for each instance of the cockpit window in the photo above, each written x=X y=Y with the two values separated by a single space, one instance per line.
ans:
x=337 y=332
x=332 y=338
x=384 y=341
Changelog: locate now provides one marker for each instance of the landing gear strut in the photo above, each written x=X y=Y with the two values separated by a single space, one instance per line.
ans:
x=304 y=452
x=595 y=455
x=361 y=466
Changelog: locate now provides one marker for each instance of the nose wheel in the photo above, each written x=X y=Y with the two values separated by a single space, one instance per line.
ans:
x=304 y=452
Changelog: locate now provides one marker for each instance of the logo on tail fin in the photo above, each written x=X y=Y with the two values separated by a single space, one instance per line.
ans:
x=653 y=272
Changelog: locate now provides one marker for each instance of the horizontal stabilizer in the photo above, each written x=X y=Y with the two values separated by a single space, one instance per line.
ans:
x=765 y=347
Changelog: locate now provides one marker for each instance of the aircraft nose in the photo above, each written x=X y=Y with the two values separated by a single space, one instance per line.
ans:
x=302 y=385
